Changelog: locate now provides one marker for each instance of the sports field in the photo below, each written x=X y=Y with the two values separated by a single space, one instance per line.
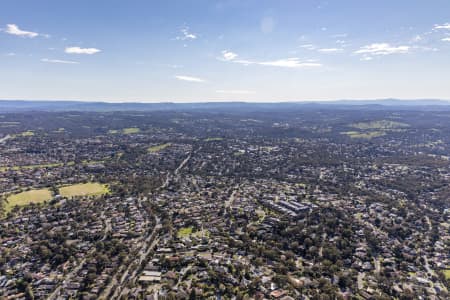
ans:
x=24 y=198
x=84 y=189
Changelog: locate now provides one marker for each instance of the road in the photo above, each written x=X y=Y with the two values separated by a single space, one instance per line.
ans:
x=132 y=278
x=129 y=275
x=230 y=200
x=183 y=163
x=175 y=173
x=143 y=253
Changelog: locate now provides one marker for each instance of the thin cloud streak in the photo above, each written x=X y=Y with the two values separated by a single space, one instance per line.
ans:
x=442 y=26
x=59 y=61
x=293 y=62
x=78 y=50
x=330 y=50
x=189 y=78
x=382 y=49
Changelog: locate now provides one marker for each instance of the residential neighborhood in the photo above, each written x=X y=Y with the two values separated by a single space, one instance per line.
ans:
x=180 y=205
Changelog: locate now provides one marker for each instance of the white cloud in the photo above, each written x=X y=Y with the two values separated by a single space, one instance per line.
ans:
x=10 y=54
x=330 y=50
x=186 y=35
x=78 y=50
x=189 y=78
x=382 y=49
x=228 y=55
x=58 y=61
x=442 y=26
x=446 y=39
x=15 y=30
x=236 y=92
x=292 y=62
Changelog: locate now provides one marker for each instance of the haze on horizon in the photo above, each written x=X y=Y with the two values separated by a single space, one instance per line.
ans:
x=189 y=51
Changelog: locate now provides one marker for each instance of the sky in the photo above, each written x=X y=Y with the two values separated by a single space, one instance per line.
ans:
x=229 y=50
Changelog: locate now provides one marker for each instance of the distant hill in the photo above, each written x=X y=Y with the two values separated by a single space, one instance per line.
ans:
x=26 y=105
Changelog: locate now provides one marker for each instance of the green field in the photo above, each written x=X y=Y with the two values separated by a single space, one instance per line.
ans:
x=188 y=232
x=184 y=232
x=84 y=189
x=213 y=139
x=447 y=274
x=364 y=135
x=373 y=129
x=157 y=148
x=24 y=198
x=26 y=133
x=131 y=130
x=382 y=124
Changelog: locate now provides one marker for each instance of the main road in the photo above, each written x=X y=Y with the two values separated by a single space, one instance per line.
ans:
x=118 y=287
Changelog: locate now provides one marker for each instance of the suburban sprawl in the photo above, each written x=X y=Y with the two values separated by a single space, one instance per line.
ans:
x=303 y=203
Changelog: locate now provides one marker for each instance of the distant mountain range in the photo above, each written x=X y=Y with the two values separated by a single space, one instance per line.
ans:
x=27 y=105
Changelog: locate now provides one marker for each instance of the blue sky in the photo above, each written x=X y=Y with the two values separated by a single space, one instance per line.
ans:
x=205 y=50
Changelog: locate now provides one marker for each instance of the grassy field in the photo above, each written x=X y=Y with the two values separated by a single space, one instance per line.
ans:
x=364 y=135
x=184 y=232
x=24 y=198
x=213 y=139
x=447 y=274
x=130 y=130
x=188 y=232
x=27 y=133
x=373 y=129
x=158 y=148
x=382 y=124
x=84 y=189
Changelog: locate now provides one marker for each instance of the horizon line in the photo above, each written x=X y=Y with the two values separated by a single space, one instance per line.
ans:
x=225 y=101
